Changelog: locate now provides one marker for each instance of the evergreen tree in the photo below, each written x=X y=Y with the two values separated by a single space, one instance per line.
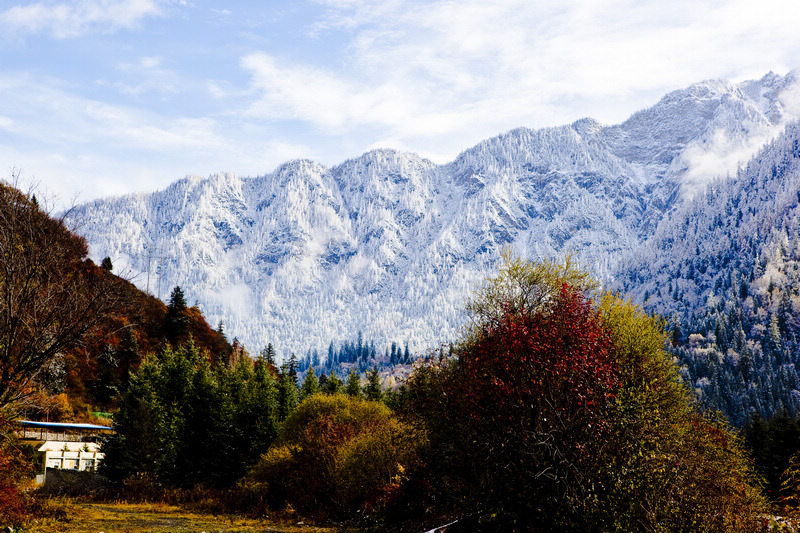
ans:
x=292 y=367
x=177 y=321
x=333 y=385
x=353 y=386
x=254 y=422
x=205 y=432
x=128 y=354
x=373 y=391
x=106 y=264
x=310 y=384
x=135 y=445
x=287 y=393
x=182 y=421
x=268 y=355
x=106 y=386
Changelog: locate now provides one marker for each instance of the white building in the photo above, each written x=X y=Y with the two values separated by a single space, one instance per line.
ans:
x=66 y=446
x=63 y=455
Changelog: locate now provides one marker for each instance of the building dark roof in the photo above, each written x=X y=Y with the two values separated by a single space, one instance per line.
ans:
x=60 y=425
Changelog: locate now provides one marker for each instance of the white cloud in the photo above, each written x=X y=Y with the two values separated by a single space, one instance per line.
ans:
x=90 y=148
x=72 y=19
x=719 y=155
x=152 y=62
x=320 y=96
x=438 y=75
x=40 y=109
x=146 y=75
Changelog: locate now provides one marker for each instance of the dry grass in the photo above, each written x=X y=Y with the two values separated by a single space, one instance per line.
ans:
x=158 y=518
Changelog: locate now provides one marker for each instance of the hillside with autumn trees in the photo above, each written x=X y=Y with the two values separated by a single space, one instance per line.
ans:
x=72 y=330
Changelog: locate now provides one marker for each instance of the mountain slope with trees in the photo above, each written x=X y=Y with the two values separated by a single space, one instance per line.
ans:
x=725 y=270
x=70 y=330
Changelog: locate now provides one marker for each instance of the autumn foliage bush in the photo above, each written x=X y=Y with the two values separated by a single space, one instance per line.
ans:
x=14 y=469
x=335 y=454
x=525 y=405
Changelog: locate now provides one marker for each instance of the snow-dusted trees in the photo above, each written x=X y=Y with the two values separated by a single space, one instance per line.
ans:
x=726 y=270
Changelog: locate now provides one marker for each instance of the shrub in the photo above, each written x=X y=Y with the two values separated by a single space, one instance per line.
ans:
x=518 y=417
x=13 y=470
x=335 y=454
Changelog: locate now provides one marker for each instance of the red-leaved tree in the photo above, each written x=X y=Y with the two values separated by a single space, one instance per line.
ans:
x=522 y=408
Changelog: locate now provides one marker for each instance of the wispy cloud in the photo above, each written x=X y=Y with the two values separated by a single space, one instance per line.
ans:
x=72 y=19
x=320 y=96
x=418 y=70
x=93 y=148
x=144 y=76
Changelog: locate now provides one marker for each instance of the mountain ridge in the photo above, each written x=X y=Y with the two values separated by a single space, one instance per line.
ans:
x=389 y=243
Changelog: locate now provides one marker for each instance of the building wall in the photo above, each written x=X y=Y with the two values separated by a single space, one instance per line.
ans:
x=83 y=456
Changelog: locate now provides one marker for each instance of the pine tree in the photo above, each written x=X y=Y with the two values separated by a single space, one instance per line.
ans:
x=310 y=384
x=292 y=368
x=106 y=264
x=333 y=385
x=205 y=438
x=373 y=391
x=135 y=445
x=287 y=393
x=177 y=321
x=106 y=385
x=353 y=386
x=128 y=353
x=256 y=415
x=268 y=355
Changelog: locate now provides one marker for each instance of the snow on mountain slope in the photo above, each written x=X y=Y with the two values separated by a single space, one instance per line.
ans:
x=725 y=270
x=390 y=244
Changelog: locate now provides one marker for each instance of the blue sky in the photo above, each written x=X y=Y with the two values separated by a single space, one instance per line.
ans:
x=101 y=97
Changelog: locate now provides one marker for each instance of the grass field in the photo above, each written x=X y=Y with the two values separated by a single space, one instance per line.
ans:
x=157 y=518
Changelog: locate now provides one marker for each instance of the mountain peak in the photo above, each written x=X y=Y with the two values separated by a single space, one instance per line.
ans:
x=299 y=166
x=587 y=126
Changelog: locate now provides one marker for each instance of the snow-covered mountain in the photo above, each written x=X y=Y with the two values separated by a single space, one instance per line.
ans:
x=390 y=244
x=725 y=270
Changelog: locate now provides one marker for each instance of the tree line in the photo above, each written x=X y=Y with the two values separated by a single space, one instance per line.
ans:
x=557 y=411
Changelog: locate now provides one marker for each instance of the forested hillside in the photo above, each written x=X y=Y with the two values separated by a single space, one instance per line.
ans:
x=70 y=330
x=725 y=271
